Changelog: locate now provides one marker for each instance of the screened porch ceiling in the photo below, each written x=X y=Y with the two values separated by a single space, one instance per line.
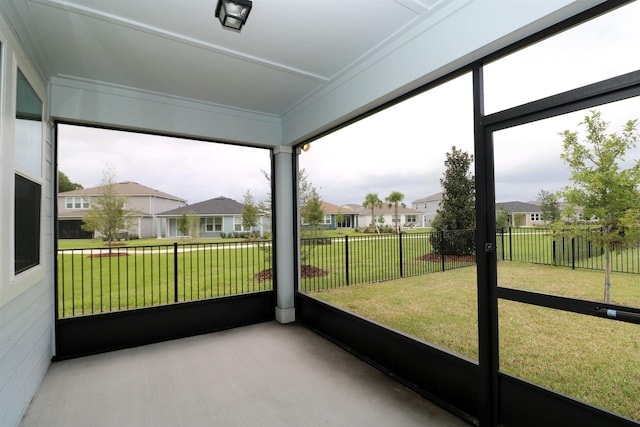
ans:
x=301 y=66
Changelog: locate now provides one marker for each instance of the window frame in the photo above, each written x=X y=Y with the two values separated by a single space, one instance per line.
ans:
x=29 y=174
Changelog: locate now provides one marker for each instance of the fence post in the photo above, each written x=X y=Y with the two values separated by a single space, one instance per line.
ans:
x=175 y=272
x=502 y=241
x=553 y=250
x=573 y=253
x=510 y=246
x=346 y=257
x=442 y=248
x=401 y=263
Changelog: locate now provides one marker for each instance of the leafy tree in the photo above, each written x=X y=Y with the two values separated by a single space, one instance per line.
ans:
x=457 y=208
x=183 y=224
x=107 y=214
x=372 y=201
x=519 y=219
x=549 y=206
x=339 y=218
x=502 y=218
x=193 y=219
x=265 y=205
x=249 y=211
x=189 y=224
x=65 y=184
x=313 y=217
x=394 y=199
x=312 y=213
x=602 y=186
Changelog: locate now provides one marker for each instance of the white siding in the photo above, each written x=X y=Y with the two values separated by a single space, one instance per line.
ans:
x=26 y=301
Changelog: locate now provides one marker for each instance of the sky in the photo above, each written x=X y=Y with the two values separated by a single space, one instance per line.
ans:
x=400 y=149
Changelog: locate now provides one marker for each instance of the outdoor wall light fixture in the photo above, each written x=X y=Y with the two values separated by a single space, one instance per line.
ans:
x=233 y=13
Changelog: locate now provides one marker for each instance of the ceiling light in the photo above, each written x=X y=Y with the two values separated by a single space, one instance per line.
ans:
x=233 y=13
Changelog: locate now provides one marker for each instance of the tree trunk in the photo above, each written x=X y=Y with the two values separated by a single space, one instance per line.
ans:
x=397 y=220
x=607 y=275
x=373 y=220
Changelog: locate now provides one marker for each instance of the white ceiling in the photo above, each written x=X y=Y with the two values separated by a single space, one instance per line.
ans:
x=290 y=53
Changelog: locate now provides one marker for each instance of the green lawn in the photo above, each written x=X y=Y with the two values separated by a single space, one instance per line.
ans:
x=99 y=243
x=96 y=281
x=592 y=359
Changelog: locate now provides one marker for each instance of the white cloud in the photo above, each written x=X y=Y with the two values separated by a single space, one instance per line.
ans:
x=193 y=170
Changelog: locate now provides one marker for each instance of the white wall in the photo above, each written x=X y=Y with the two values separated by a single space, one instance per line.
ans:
x=26 y=300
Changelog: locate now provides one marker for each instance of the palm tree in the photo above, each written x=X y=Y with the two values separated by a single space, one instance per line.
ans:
x=372 y=201
x=395 y=198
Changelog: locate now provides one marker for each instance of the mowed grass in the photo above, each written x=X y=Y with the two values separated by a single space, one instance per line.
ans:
x=588 y=358
x=89 y=283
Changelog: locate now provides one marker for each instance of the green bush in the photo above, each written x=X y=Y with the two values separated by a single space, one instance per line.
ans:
x=457 y=242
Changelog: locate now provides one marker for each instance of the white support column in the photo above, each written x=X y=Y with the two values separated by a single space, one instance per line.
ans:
x=284 y=233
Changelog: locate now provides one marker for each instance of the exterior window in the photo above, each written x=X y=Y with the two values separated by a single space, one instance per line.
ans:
x=213 y=224
x=28 y=143
x=28 y=163
x=77 y=202
x=411 y=218
x=27 y=224
x=237 y=224
x=394 y=219
x=327 y=219
x=535 y=217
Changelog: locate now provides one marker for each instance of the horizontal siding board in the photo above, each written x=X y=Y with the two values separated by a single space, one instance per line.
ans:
x=25 y=349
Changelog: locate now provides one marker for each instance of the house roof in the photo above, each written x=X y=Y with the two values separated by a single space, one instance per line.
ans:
x=518 y=207
x=353 y=206
x=432 y=198
x=329 y=208
x=127 y=188
x=217 y=206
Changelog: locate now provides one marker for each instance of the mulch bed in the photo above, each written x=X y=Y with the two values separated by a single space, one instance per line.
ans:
x=308 y=271
x=432 y=257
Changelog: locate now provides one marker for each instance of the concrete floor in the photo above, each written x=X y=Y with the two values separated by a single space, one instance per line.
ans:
x=260 y=375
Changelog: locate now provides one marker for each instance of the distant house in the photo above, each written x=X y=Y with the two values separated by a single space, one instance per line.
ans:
x=336 y=217
x=217 y=216
x=522 y=214
x=385 y=215
x=146 y=201
x=428 y=207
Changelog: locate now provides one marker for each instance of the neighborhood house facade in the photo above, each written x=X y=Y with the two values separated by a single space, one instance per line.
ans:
x=217 y=217
x=428 y=207
x=522 y=214
x=337 y=217
x=386 y=215
x=146 y=202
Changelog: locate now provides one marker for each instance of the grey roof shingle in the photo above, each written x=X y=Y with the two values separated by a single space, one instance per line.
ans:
x=518 y=207
x=127 y=188
x=432 y=198
x=216 y=206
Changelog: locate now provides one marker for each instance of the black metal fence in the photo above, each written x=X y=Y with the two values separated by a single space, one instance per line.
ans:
x=552 y=247
x=102 y=280
x=348 y=260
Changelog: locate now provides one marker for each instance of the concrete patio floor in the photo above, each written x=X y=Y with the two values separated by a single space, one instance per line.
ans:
x=260 y=375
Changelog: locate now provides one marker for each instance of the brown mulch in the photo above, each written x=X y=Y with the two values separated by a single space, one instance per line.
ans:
x=308 y=271
x=432 y=257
